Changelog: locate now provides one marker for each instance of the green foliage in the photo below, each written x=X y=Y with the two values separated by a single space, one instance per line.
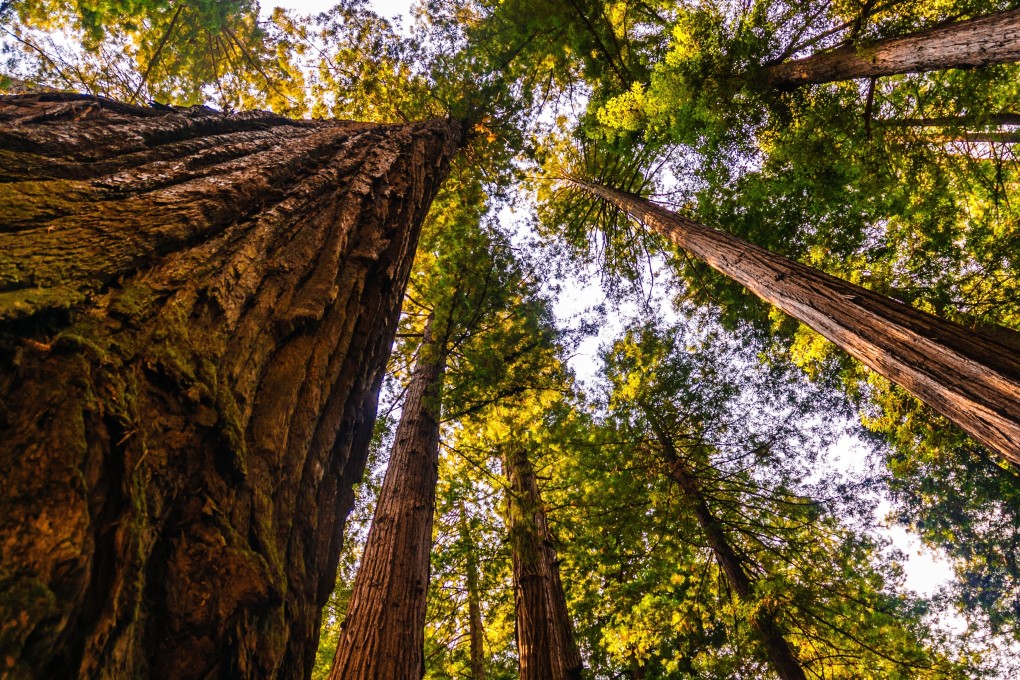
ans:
x=653 y=595
x=876 y=183
x=176 y=53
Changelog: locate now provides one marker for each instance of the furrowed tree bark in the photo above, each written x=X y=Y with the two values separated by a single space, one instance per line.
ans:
x=545 y=636
x=968 y=375
x=196 y=310
x=383 y=634
x=993 y=39
x=780 y=652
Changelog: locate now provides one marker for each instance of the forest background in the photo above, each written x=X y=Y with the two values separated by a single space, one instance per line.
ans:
x=866 y=179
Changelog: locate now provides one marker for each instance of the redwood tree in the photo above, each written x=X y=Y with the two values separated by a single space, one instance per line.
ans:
x=195 y=314
x=781 y=655
x=383 y=633
x=968 y=375
x=545 y=637
x=993 y=39
x=476 y=631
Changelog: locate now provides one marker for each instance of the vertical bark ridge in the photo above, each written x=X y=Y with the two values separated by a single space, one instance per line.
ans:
x=993 y=39
x=545 y=637
x=383 y=633
x=195 y=313
x=968 y=375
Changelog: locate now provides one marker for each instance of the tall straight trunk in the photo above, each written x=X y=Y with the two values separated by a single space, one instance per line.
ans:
x=993 y=39
x=968 y=375
x=545 y=635
x=779 y=651
x=195 y=314
x=383 y=634
x=476 y=633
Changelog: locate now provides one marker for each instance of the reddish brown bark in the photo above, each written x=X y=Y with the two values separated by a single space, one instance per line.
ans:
x=968 y=375
x=195 y=313
x=993 y=39
x=383 y=634
x=545 y=636
x=780 y=652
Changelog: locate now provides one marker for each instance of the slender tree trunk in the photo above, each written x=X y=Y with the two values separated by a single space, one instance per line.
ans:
x=779 y=651
x=545 y=636
x=383 y=634
x=195 y=314
x=993 y=39
x=968 y=375
x=476 y=633
x=970 y=137
x=956 y=128
x=953 y=121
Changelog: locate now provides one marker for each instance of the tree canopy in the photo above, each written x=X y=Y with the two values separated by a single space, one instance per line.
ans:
x=718 y=480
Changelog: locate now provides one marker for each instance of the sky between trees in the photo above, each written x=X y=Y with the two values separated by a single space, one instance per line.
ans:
x=854 y=178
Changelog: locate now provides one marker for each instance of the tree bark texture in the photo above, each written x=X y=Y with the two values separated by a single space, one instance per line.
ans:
x=383 y=634
x=968 y=375
x=993 y=39
x=780 y=652
x=545 y=637
x=196 y=310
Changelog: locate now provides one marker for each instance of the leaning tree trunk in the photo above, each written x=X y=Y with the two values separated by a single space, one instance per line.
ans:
x=780 y=652
x=987 y=40
x=969 y=376
x=545 y=636
x=383 y=634
x=195 y=313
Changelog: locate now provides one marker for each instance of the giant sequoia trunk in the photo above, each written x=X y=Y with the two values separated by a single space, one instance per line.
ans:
x=195 y=313
x=545 y=636
x=987 y=40
x=967 y=375
x=383 y=633
x=764 y=623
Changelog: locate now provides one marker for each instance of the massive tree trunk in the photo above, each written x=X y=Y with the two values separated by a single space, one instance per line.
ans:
x=968 y=375
x=987 y=40
x=383 y=634
x=764 y=623
x=545 y=635
x=195 y=313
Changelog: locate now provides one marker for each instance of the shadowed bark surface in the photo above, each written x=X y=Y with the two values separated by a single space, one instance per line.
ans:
x=994 y=39
x=195 y=313
x=968 y=375
x=545 y=635
x=383 y=634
